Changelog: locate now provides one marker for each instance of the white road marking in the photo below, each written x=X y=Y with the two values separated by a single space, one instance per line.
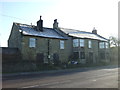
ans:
x=60 y=82
x=110 y=69
x=94 y=80
x=46 y=84
x=31 y=86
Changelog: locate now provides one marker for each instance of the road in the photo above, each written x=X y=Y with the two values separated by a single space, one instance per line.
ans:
x=79 y=78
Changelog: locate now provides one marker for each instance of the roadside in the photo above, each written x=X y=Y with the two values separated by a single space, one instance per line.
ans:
x=100 y=77
x=52 y=72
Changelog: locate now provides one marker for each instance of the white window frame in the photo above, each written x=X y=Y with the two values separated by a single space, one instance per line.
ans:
x=82 y=42
x=75 y=43
x=62 y=44
x=89 y=44
x=102 y=45
x=32 y=42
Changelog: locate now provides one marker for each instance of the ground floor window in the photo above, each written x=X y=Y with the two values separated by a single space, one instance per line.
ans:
x=102 y=55
x=76 y=55
x=90 y=57
x=107 y=55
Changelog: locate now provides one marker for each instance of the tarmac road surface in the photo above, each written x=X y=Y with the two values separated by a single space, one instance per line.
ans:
x=78 y=78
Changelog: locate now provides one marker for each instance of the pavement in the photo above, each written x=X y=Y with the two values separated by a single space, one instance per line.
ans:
x=55 y=71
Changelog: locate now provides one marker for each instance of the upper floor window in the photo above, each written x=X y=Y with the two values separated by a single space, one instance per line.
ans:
x=81 y=42
x=106 y=45
x=101 y=45
x=75 y=43
x=32 y=42
x=89 y=44
x=62 y=44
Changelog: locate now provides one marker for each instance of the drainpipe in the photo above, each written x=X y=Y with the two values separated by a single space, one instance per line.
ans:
x=48 y=51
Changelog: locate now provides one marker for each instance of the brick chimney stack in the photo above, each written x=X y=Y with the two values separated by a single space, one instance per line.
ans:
x=94 y=31
x=40 y=25
x=55 y=24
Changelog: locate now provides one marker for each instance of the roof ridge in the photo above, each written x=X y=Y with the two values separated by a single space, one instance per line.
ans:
x=75 y=30
x=68 y=28
x=30 y=25
x=23 y=24
x=102 y=37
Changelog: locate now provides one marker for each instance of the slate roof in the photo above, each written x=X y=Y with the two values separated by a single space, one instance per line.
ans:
x=82 y=34
x=52 y=33
x=32 y=31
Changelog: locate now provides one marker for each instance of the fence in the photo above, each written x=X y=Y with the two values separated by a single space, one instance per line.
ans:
x=10 y=55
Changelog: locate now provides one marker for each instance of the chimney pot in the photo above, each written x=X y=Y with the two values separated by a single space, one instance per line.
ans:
x=40 y=17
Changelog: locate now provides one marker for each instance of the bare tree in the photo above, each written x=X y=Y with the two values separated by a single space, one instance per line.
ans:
x=114 y=42
x=114 y=49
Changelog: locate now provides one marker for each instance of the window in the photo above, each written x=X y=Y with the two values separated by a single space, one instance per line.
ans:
x=106 y=45
x=101 y=45
x=90 y=57
x=76 y=55
x=61 y=44
x=81 y=43
x=82 y=55
x=102 y=55
x=107 y=55
x=89 y=44
x=32 y=42
x=75 y=43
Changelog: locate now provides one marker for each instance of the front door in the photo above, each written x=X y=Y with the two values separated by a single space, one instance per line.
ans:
x=40 y=58
x=56 y=59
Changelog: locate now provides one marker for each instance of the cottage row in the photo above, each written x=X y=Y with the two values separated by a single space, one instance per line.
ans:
x=48 y=45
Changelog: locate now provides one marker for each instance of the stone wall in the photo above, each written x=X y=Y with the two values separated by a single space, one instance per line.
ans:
x=15 y=37
x=42 y=46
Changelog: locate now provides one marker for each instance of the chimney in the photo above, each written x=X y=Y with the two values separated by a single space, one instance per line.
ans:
x=55 y=24
x=40 y=25
x=94 y=31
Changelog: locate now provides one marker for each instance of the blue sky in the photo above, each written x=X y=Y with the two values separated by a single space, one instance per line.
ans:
x=76 y=14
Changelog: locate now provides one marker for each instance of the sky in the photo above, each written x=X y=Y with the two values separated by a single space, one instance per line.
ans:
x=82 y=15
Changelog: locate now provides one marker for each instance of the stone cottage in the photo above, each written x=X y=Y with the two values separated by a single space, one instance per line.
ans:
x=48 y=45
